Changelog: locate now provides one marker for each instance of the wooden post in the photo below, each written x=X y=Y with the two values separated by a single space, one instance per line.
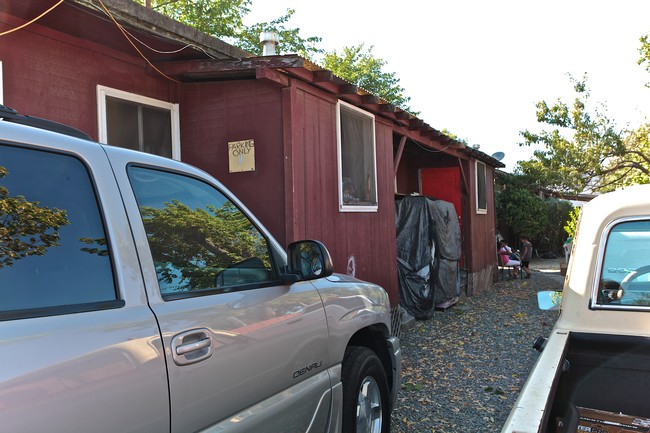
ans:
x=398 y=157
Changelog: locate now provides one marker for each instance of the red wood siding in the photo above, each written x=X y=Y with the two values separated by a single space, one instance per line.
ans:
x=482 y=239
x=363 y=239
x=294 y=189
x=214 y=114
x=54 y=75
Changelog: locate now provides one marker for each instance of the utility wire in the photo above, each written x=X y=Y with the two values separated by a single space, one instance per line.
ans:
x=32 y=21
x=426 y=149
x=125 y=33
x=170 y=51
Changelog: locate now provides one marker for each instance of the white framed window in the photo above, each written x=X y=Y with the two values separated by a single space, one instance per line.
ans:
x=356 y=159
x=481 y=187
x=137 y=122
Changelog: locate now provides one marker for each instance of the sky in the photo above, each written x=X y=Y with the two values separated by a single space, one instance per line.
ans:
x=477 y=68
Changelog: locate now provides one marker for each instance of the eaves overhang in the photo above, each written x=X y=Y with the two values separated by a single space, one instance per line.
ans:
x=186 y=55
x=278 y=69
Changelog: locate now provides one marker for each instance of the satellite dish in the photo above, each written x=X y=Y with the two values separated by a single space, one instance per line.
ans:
x=498 y=155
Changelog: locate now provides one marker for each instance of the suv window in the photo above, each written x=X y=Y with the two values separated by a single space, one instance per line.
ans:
x=200 y=241
x=54 y=257
x=626 y=265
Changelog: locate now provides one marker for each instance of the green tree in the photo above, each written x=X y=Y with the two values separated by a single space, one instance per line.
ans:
x=224 y=19
x=584 y=151
x=26 y=228
x=522 y=212
x=571 y=226
x=644 y=51
x=290 y=40
x=359 y=66
x=558 y=215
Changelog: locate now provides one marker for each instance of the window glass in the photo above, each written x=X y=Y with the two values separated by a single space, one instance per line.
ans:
x=138 y=126
x=199 y=240
x=357 y=153
x=53 y=249
x=481 y=194
x=626 y=265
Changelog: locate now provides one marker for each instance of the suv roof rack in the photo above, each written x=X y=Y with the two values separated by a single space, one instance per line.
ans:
x=11 y=115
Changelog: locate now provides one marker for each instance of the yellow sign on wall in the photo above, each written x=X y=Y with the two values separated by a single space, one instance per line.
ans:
x=241 y=156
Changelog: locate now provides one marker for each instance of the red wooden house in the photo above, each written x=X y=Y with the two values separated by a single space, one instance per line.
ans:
x=329 y=158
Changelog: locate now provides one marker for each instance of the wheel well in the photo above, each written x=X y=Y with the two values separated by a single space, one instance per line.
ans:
x=374 y=338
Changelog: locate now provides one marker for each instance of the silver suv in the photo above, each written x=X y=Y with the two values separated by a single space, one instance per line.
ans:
x=138 y=295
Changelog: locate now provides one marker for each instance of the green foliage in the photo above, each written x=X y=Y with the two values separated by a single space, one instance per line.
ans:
x=644 y=51
x=450 y=134
x=190 y=246
x=26 y=228
x=359 y=66
x=521 y=212
x=290 y=41
x=572 y=223
x=585 y=151
x=97 y=246
x=558 y=213
x=631 y=164
x=224 y=19
x=221 y=18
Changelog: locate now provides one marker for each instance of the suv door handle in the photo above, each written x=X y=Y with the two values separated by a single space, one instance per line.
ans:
x=191 y=346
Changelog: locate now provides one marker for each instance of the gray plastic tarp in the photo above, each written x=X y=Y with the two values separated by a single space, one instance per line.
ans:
x=428 y=254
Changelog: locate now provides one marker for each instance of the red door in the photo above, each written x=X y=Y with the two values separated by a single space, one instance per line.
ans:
x=442 y=183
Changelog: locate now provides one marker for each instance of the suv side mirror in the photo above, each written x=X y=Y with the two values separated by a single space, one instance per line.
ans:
x=309 y=260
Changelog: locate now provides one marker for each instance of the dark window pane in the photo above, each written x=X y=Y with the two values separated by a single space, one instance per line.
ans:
x=199 y=240
x=122 y=123
x=53 y=249
x=140 y=127
x=157 y=131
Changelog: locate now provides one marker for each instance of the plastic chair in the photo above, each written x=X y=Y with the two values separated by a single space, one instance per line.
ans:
x=508 y=269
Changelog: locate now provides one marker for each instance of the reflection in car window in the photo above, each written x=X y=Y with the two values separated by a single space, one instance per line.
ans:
x=53 y=249
x=625 y=276
x=199 y=239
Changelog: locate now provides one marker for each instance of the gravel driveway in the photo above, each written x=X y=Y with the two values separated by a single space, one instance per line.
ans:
x=463 y=369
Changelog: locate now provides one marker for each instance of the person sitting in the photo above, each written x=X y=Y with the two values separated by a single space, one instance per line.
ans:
x=506 y=254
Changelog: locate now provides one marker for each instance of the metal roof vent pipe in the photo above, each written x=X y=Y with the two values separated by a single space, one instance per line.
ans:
x=269 y=41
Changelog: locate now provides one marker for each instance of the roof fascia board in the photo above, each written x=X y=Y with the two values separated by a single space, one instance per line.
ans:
x=128 y=12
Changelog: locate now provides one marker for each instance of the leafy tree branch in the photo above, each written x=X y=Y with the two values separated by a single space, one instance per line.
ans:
x=585 y=150
x=359 y=66
x=190 y=246
x=224 y=19
x=27 y=229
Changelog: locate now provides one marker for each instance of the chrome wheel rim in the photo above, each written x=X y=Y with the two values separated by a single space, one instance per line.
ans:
x=369 y=411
